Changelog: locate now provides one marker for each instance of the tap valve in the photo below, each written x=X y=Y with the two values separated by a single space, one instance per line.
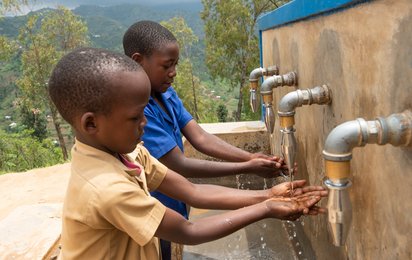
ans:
x=289 y=79
x=253 y=79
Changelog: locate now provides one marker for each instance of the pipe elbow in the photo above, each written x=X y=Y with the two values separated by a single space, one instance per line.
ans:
x=255 y=74
x=342 y=139
x=288 y=103
x=266 y=86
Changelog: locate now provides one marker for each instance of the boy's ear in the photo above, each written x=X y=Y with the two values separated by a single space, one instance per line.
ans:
x=137 y=57
x=88 y=123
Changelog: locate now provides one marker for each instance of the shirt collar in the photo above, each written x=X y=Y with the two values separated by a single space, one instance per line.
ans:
x=86 y=150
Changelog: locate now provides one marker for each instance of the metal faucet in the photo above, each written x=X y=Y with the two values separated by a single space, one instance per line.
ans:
x=266 y=90
x=395 y=129
x=286 y=111
x=253 y=79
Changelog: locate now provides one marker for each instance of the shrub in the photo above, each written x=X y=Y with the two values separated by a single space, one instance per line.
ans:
x=22 y=152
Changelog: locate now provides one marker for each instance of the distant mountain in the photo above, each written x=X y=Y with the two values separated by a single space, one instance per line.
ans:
x=107 y=24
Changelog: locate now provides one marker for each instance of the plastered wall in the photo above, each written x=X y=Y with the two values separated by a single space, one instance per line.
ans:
x=364 y=54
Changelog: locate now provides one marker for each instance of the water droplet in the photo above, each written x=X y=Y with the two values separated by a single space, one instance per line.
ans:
x=261 y=238
x=290 y=238
x=300 y=252
x=297 y=244
x=294 y=234
x=263 y=245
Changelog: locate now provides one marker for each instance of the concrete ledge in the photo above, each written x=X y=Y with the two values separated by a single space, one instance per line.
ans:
x=30 y=211
x=234 y=127
x=29 y=231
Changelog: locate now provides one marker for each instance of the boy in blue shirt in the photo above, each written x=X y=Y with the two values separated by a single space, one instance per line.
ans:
x=156 y=49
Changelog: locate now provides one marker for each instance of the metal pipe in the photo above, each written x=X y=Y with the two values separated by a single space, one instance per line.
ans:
x=395 y=129
x=289 y=79
x=317 y=95
x=253 y=79
x=286 y=111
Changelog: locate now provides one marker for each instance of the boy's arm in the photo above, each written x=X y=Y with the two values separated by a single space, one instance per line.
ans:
x=197 y=168
x=239 y=161
x=174 y=227
x=219 y=197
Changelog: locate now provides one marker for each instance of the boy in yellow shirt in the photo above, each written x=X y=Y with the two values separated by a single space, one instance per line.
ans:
x=108 y=212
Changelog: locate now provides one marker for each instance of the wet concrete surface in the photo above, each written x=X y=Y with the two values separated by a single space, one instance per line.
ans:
x=266 y=239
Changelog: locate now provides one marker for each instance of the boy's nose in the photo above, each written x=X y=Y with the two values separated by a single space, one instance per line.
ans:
x=172 y=73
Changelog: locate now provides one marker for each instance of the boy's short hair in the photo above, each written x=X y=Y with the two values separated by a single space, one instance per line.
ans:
x=144 y=37
x=80 y=82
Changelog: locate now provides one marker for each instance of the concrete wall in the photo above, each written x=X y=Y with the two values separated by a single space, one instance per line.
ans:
x=364 y=54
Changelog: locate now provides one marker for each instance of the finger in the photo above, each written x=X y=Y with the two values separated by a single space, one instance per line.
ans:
x=299 y=183
x=316 y=210
x=313 y=210
x=321 y=210
x=313 y=188
x=311 y=201
x=297 y=192
x=322 y=193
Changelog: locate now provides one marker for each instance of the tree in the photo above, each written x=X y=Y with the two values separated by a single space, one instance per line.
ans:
x=222 y=113
x=36 y=121
x=44 y=42
x=7 y=46
x=11 y=5
x=232 y=49
x=21 y=152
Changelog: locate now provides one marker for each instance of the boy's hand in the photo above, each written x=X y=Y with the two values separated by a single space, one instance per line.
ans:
x=267 y=167
x=284 y=189
x=293 y=208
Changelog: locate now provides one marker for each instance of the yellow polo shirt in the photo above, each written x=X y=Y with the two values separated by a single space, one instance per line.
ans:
x=108 y=212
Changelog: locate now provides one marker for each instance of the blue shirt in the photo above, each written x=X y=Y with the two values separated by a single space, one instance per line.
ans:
x=162 y=133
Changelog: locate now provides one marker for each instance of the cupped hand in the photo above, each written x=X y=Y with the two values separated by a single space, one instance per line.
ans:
x=284 y=189
x=293 y=208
